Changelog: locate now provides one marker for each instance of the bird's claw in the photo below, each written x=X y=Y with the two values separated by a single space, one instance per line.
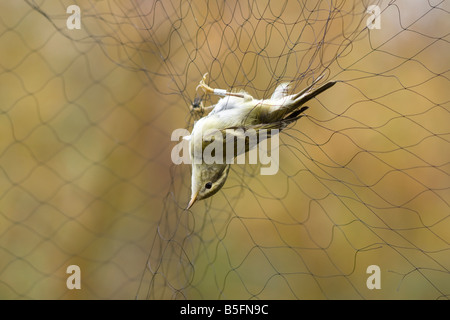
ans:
x=204 y=86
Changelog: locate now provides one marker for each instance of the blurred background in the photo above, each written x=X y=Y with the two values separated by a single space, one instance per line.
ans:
x=86 y=177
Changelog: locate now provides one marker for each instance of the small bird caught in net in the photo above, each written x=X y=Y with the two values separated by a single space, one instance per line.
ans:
x=94 y=92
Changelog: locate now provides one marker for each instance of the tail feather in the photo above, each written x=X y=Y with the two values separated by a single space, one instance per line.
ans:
x=292 y=108
x=292 y=117
x=295 y=113
x=304 y=96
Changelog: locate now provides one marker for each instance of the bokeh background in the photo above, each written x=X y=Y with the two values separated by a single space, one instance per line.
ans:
x=86 y=176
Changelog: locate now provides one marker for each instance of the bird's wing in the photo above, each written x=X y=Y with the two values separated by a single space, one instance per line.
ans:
x=245 y=138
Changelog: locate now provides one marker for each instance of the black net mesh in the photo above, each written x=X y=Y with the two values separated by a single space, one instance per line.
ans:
x=86 y=176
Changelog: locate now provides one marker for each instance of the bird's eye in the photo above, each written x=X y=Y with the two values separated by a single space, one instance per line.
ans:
x=208 y=185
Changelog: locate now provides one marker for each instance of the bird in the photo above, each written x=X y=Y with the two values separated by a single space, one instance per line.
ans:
x=238 y=112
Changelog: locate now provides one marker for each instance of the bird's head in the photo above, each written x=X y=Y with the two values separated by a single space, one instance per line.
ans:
x=207 y=179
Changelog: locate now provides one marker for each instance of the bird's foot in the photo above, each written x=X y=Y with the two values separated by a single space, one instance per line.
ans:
x=204 y=86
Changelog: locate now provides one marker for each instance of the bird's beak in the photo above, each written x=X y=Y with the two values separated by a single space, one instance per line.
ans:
x=193 y=199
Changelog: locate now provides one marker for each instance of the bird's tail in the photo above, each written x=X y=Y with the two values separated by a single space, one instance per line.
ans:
x=293 y=108
x=307 y=94
x=292 y=111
